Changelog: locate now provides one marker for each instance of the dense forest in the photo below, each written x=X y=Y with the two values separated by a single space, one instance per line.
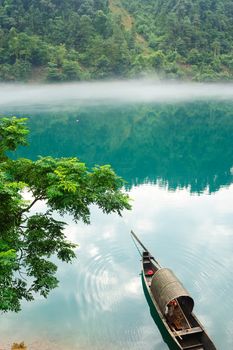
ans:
x=53 y=40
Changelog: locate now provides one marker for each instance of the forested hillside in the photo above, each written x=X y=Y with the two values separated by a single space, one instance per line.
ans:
x=54 y=40
x=189 y=37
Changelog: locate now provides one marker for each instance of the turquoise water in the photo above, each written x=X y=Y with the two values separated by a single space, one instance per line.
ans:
x=178 y=163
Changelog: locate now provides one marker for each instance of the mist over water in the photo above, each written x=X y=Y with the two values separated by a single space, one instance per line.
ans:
x=33 y=96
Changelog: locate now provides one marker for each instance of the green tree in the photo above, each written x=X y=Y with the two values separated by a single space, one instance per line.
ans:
x=54 y=73
x=28 y=241
x=157 y=59
x=101 y=23
x=71 y=70
x=194 y=57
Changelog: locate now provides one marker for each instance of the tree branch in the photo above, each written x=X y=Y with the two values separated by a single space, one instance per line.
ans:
x=31 y=205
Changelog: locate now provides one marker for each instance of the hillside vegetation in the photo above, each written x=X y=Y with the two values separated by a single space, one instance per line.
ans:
x=52 y=40
x=191 y=38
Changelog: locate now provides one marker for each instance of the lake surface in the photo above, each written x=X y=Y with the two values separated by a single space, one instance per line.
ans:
x=177 y=159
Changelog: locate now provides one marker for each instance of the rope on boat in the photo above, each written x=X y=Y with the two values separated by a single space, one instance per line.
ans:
x=138 y=240
x=136 y=246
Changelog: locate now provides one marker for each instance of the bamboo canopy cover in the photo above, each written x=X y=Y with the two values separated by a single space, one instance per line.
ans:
x=165 y=287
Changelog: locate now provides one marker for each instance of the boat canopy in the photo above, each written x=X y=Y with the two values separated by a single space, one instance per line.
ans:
x=166 y=287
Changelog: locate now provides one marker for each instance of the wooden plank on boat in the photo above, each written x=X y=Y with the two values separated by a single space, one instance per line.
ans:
x=194 y=347
x=190 y=331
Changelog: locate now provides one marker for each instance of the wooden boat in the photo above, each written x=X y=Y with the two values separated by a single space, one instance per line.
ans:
x=173 y=305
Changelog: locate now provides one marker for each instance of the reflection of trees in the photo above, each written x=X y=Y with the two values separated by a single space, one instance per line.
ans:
x=178 y=145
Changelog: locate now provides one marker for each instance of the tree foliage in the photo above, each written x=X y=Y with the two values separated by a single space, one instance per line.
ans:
x=28 y=240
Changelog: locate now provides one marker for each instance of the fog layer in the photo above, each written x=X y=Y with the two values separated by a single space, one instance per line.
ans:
x=86 y=93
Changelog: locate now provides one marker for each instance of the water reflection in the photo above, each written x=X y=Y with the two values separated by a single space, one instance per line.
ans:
x=100 y=301
x=178 y=146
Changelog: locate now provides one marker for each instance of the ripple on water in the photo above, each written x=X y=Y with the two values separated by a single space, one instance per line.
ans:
x=100 y=282
x=205 y=273
x=229 y=330
x=202 y=273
